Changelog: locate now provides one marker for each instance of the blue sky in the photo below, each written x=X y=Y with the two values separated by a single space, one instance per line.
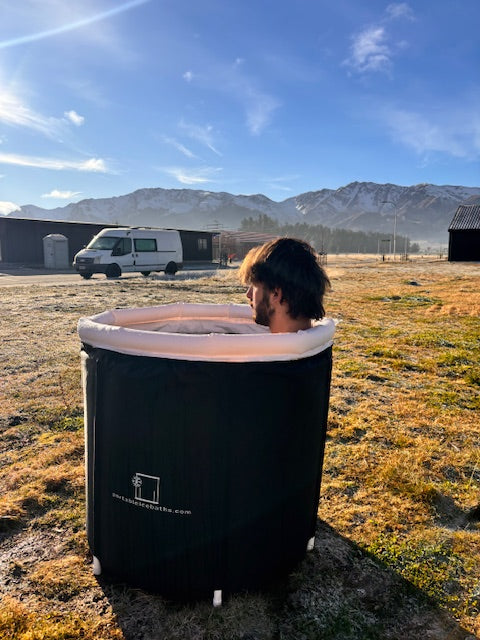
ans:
x=99 y=98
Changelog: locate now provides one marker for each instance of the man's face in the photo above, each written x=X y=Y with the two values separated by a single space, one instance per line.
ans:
x=259 y=299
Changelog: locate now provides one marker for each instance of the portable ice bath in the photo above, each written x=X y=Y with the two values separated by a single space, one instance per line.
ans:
x=205 y=437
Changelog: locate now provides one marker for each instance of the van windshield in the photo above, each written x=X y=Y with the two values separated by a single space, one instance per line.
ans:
x=103 y=243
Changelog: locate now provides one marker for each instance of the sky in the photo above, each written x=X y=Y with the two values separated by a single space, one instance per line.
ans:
x=99 y=98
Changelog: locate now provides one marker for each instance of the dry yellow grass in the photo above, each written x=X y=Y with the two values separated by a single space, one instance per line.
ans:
x=400 y=485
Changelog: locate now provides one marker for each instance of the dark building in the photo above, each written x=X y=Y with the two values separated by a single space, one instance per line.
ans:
x=21 y=240
x=197 y=246
x=464 y=234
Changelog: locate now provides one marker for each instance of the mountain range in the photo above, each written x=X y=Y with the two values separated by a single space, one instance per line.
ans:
x=423 y=211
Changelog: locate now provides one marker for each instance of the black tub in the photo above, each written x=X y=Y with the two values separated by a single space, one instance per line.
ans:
x=204 y=440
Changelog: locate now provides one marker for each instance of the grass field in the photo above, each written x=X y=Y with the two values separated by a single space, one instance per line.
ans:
x=398 y=543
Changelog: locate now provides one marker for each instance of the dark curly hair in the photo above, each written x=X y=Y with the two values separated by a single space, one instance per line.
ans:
x=293 y=266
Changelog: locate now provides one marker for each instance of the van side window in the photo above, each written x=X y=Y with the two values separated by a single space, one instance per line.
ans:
x=122 y=247
x=145 y=244
x=202 y=244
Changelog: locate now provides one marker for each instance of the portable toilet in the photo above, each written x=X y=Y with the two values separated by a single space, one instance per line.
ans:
x=55 y=251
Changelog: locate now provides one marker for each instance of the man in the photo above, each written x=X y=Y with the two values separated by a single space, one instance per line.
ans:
x=286 y=285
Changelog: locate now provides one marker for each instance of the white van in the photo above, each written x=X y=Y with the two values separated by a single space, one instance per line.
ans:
x=114 y=251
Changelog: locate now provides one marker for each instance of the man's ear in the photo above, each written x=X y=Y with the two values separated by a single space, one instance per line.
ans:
x=277 y=295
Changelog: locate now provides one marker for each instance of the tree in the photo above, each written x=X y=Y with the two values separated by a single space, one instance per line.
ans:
x=324 y=239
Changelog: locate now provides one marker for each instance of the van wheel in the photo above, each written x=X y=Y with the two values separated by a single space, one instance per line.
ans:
x=171 y=269
x=145 y=273
x=113 y=271
x=86 y=276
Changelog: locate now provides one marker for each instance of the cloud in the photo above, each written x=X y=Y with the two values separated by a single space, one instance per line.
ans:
x=95 y=165
x=369 y=51
x=202 y=134
x=399 y=10
x=279 y=187
x=197 y=176
x=287 y=178
x=454 y=133
x=62 y=195
x=278 y=183
x=74 y=117
x=180 y=147
x=232 y=79
x=8 y=207
x=14 y=113
x=88 y=90
x=260 y=108
x=71 y=26
x=188 y=76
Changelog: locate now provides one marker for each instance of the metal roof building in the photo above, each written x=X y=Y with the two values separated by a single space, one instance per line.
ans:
x=464 y=234
x=21 y=240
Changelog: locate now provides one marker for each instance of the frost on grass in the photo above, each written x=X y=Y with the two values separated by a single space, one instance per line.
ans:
x=397 y=550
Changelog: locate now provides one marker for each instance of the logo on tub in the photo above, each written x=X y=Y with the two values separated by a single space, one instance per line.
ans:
x=147 y=488
x=146 y=494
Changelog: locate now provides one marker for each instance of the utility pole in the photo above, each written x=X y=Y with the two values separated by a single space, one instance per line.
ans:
x=394 y=226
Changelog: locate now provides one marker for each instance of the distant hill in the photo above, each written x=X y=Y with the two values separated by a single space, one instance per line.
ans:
x=424 y=211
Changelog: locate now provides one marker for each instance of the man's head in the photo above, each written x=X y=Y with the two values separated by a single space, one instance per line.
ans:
x=286 y=284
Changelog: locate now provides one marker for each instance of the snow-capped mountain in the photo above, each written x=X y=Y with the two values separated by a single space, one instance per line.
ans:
x=423 y=211
x=182 y=208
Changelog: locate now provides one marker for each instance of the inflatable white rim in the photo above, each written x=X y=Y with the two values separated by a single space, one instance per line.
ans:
x=129 y=331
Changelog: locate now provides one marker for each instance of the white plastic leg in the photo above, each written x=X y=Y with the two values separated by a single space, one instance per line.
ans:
x=310 y=544
x=217 y=598
x=97 y=567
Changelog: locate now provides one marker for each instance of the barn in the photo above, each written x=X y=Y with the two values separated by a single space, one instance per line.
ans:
x=464 y=234
x=21 y=240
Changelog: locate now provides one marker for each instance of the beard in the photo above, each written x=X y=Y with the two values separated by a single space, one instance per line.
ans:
x=263 y=311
